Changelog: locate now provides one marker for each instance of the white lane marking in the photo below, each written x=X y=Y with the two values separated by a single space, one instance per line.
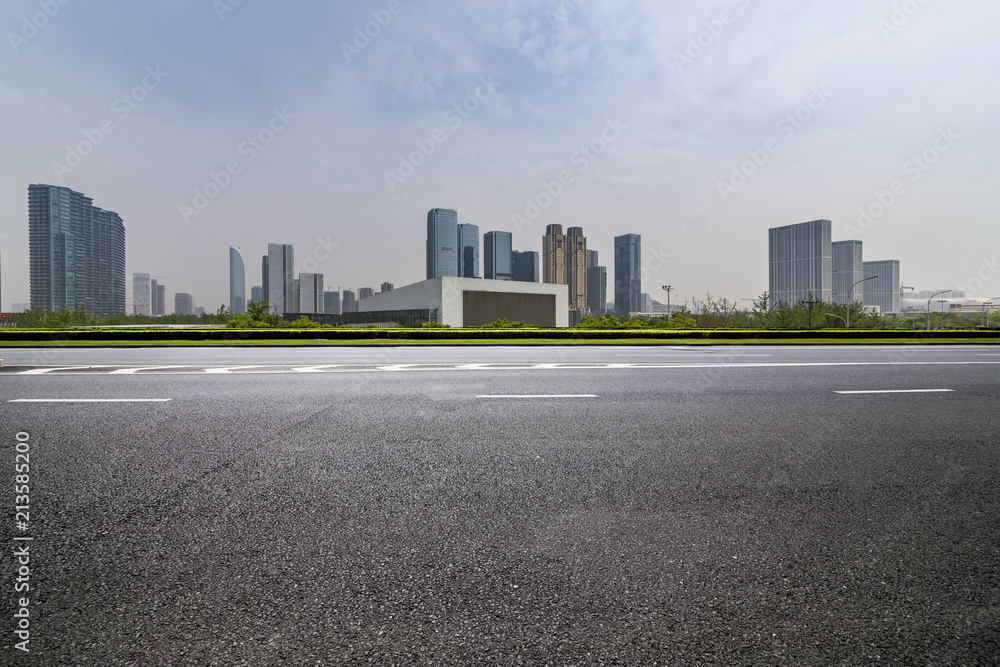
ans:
x=133 y=371
x=396 y=367
x=893 y=391
x=90 y=400
x=537 y=396
x=313 y=369
x=694 y=354
x=41 y=371
x=230 y=369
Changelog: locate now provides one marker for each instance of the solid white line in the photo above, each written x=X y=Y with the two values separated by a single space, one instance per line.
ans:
x=893 y=391
x=537 y=396
x=90 y=400
x=133 y=371
x=41 y=371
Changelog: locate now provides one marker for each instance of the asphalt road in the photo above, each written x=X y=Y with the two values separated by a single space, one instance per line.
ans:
x=496 y=505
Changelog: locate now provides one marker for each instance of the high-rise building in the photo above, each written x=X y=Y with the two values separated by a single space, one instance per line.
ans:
x=161 y=298
x=525 y=265
x=442 y=242
x=628 y=273
x=154 y=296
x=468 y=251
x=257 y=294
x=576 y=268
x=294 y=308
x=141 y=302
x=183 y=303
x=237 y=281
x=498 y=256
x=280 y=281
x=76 y=252
x=597 y=289
x=311 y=298
x=263 y=278
x=554 y=256
x=349 y=304
x=365 y=292
x=386 y=287
x=800 y=262
x=592 y=259
x=882 y=291
x=847 y=271
x=331 y=303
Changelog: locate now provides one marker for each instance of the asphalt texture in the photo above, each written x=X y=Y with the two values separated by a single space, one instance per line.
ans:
x=674 y=506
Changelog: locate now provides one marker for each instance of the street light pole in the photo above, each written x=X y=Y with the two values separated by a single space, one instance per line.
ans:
x=839 y=318
x=669 y=289
x=944 y=291
x=850 y=300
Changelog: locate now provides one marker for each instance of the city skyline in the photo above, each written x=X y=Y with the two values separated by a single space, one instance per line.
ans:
x=568 y=113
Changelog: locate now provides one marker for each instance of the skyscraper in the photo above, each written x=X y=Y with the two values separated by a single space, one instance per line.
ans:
x=154 y=296
x=140 y=294
x=468 y=251
x=237 y=281
x=349 y=303
x=442 y=242
x=183 y=303
x=280 y=281
x=257 y=294
x=331 y=303
x=525 y=265
x=597 y=289
x=263 y=279
x=628 y=274
x=847 y=271
x=592 y=259
x=498 y=257
x=800 y=262
x=882 y=291
x=161 y=297
x=576 y=267
x=554 y=256
x=311 y=298
x=76 y=252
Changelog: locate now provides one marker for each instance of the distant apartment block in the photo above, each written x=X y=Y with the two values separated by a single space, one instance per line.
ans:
x=576 y=268
x=76 y=252
x=386 y=287
x=847 y=271
x=365 y=292
x=141 y=301
x=349 y=303
x=800 y=262
x=183 y=303
x=159 y=306
x=311 y=298
x=331 y=303
x=883 y=291
x=554 y=255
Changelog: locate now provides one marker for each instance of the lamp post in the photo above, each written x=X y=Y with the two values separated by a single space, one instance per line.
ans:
x=668 y=289
x=839 y=318
x=944 y=291
x=850 y=300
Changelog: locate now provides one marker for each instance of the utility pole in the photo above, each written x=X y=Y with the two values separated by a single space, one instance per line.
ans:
x=669 y=289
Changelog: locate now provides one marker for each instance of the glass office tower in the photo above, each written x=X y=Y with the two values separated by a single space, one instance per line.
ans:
x=237 y=281
x=468 y=251
x=628 y=274
x=442 y=242
x=498 y=262
x=800 y=263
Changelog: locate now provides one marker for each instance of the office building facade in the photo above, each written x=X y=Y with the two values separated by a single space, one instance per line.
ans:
x=161 y=297
x=280 y=280
x=311 y=298
x=847 y=272
x=800 y=263
x=597 y=289
x=237 y=281
x=76 y=252
x=576 y=268
x=331 y=303
x=498 y=256
x=882 y=291
x=442 y=242
x=349 y=303
x=154 y=288
x=468 y=251
x=257 y=294
x=141 y=301
x=183 y=303
x=628 y=274
x=554 y=255
x=525 y=266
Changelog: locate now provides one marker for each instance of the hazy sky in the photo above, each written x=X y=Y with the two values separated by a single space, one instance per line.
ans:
x=644 y=108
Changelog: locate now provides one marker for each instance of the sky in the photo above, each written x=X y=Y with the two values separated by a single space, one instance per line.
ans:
x=336 y=126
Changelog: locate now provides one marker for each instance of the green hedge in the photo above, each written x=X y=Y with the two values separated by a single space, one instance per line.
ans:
x=219 y=334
